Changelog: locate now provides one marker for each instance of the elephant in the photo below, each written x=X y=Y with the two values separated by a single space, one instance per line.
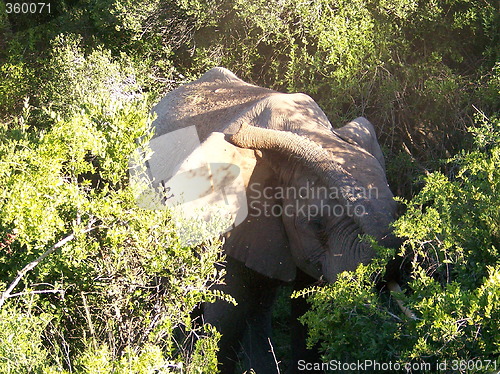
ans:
x=311 y=192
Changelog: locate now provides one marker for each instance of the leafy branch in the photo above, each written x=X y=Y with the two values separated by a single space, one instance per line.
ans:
x=8 y=292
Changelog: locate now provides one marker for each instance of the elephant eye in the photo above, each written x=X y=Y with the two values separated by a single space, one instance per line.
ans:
x=317 y=224
x=320 y=230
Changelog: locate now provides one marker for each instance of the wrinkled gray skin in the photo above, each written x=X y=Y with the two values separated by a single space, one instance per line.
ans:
x=290 y=143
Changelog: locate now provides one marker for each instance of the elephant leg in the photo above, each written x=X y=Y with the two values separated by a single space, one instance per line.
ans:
x=249 y=323
x=258 y=350
x=228 y=319
x=298 y=331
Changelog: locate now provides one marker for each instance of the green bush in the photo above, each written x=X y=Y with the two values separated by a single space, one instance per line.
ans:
x=413 y=68
x=118 y=295
x=21 y=348
x=452 y=228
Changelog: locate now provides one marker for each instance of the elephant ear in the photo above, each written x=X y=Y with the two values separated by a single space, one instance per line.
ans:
x=260 y=242
x=361 y=132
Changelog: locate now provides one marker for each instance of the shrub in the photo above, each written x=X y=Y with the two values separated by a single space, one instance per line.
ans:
x=111 y=287
x=21 y=348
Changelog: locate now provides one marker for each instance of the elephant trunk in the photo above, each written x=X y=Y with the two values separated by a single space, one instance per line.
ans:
x=372 y=221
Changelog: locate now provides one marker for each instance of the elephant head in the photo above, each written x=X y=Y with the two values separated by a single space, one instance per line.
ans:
x=327 y=191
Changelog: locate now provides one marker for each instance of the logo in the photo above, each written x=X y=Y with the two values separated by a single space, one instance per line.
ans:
x=200 y=181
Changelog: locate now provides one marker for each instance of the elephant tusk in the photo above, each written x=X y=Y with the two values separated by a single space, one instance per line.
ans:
x=395 y=287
